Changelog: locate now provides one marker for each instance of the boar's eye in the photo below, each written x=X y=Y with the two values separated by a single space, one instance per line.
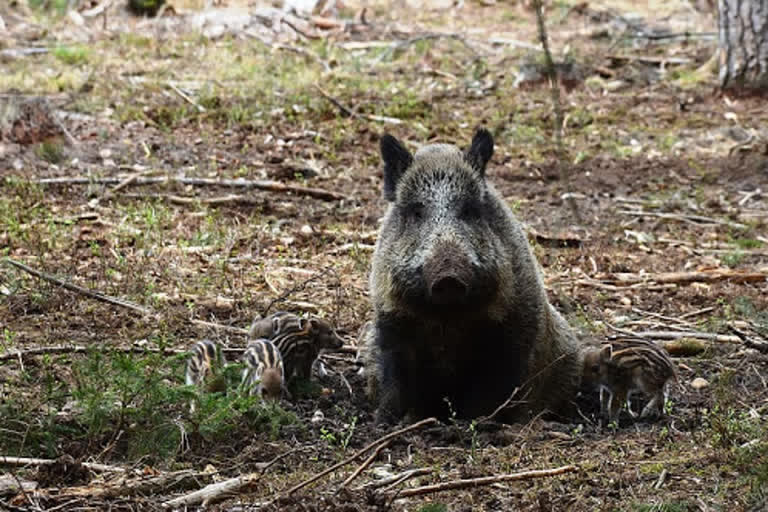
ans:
x=470 y=210
x=414 y=211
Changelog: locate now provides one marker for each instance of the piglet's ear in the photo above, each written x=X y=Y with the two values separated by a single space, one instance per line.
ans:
x=606 y=353
x=480 y=151
x=396 y=160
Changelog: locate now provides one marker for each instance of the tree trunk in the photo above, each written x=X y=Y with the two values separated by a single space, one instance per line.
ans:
x=743 y=27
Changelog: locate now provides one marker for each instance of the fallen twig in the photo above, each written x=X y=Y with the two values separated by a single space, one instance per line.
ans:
x=346 y=111
x=220 y=490
x=391 y=483
x=134 y=487
x=220 y=327
x=676 y=335
x=554 y=87
x=359 y=453
x=487 y=480
x=79 y=289
x=748 y=341
x=299 y=287
x=268 y=185
x=81 y=349
x=651 y=59
x=399 y=45
x=27 y=461
x=306 y=53
x=705 y=276
x=697 y=220
x=186 y=97
x=364 y=465
x=214 y=201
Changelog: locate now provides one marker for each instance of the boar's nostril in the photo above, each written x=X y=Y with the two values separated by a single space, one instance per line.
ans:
x=448 y=290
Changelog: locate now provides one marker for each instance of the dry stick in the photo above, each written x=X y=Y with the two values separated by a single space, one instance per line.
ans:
x=390 y=482
x=360 y=452
x=78 y=289
x=364 y=465
x=306 y=53
x=182 y=200
x=554 y=87
x=268 y=185
x=219 y=327
x=81 y=349
x=350 y=113
x=396 y=480
x=707 y=276
x=299 y=287
x=346 y=111
x=676 y=335
x=27 y=461
x=697 y=220
x=219 y=490
x=760 y=347
x=127 y=181
x=186 y=97
x=486 y=480
x=697 y=312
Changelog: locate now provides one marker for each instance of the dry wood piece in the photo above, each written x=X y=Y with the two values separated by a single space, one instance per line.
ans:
x=220 y=327
x=80 y=349
x=698 y=220
x=359 y=453
x=215 y=492
x=486 y=480
x=365 y=464
x=268 y=185
x=705 y=276
x=221 y=490
x=676 y=335
x=127 y=487
x=27 y=461
x=78 y=289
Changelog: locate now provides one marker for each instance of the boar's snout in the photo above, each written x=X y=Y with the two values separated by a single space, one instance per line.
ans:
x=448 y=290
x=448 y=275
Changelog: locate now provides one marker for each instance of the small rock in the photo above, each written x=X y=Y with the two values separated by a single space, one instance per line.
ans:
x=317 y=417
x=626 y=301
x=699 y=383
x=306 y=230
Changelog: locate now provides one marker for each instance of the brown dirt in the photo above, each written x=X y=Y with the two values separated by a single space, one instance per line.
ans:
x=659 y=144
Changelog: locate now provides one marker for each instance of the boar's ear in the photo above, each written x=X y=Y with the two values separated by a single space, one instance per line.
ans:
x=396 y=161
x=480 y=150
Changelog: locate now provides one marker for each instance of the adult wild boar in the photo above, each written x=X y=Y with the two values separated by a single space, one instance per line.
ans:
x=461 y=318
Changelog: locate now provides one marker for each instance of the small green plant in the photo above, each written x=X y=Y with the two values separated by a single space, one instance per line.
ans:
x=328 y=436
x=350 y=430
x=433 y=507
x=673 y=506
x=51 y=151
x=733 y=259
x=71 y=55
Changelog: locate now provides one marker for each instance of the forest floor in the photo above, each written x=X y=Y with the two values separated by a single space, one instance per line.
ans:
x=669 y=176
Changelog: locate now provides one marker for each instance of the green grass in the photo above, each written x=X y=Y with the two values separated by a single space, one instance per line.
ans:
x=134 y=403
x=71 y=55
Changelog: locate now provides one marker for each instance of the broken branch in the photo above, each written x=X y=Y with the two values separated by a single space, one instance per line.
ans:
x=79 y=289
x=28 y=461
x=267 y=185
x=359 y=453
x=365 y=464
x=487 y=480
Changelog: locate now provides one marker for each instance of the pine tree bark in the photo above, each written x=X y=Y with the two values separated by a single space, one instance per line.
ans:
x=743 y=29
